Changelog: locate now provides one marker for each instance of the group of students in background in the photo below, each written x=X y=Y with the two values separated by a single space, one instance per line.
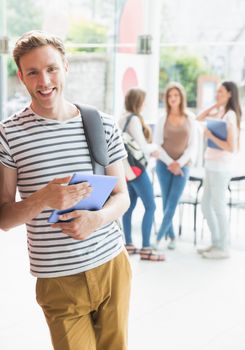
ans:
x=174 y=150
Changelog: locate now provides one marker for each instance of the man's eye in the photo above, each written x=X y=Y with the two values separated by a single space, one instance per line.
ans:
x=52 y=69
x=31 y=73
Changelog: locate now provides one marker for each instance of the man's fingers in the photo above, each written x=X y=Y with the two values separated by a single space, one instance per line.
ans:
x=82 y=187
x=61 y=180
x=72 y=215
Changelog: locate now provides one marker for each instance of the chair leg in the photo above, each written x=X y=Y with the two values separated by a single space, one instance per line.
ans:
x=195 y=224
x=181 y=209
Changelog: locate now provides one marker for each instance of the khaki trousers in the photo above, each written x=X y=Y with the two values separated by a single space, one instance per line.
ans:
x=88 y=311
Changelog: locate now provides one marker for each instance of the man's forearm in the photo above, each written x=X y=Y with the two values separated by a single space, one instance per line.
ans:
x=18 y=213
x=115 y=207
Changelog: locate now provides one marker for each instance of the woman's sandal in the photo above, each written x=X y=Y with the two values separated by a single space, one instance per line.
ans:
x=131 y=249
x=151 y=255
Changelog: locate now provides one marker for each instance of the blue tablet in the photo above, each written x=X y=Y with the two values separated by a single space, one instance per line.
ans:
x=102 y=186
x=219 y=129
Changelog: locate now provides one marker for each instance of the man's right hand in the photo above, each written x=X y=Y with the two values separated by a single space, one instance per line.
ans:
x=57 y=195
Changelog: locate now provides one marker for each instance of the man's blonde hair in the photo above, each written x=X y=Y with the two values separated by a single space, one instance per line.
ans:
x=34 y=39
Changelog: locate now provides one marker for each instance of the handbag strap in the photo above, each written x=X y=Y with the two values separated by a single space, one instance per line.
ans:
x=127 y=122
x=95 y=137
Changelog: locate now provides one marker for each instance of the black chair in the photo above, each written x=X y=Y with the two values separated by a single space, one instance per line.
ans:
x=191 y=197
x=236 y=187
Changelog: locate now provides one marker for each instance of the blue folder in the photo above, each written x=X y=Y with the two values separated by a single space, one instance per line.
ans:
x=219 y=129
x=102 y=186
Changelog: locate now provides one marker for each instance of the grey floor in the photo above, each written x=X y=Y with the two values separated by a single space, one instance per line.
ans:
x=185 y=303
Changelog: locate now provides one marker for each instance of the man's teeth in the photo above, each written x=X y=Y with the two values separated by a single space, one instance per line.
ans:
x=46 y=92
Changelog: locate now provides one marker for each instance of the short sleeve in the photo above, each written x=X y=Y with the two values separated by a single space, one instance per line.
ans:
x=5 y=153
x=116 y=149
x=230 y=117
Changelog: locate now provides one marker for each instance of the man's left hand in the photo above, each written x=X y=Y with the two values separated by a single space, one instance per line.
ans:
x=83 y=223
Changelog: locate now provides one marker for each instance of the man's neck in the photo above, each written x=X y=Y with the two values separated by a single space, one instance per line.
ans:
x=62 y=112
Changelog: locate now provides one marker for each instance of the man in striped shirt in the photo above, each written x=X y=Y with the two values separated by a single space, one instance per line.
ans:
x=83 y=273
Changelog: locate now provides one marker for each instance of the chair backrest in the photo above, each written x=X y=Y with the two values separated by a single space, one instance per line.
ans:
x=191 y=193
x=236 y=190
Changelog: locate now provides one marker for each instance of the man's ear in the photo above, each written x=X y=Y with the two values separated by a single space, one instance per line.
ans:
x=20 y=75
x=66 y=64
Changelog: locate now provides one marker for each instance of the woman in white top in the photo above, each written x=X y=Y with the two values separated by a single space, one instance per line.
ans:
x=140 y=185
x=176 y=134
x=218 y=168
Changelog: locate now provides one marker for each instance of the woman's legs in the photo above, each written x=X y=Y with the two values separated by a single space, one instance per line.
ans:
x=143 y=187
x=127 y=217
x=215 y=209
x=207 y=209
x=165 y=178
x=172 y=188
x=140 y=187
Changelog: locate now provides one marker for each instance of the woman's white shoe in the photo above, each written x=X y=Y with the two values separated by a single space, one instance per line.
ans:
x=172 y=244
x=216 y=254
x=204 y=250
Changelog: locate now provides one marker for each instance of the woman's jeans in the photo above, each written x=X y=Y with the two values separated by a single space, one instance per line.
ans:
x=141 y=187
x=172 y=187
x=214 y=207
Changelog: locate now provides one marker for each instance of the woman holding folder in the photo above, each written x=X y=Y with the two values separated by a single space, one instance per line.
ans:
x=219 y=157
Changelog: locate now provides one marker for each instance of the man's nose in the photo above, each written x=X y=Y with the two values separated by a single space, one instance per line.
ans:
x=44 y=79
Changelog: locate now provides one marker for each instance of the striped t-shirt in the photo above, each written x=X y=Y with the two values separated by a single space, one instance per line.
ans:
x=43 y=149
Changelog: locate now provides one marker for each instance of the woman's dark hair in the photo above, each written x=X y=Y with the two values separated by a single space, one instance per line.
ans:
x=134 y=100
x=233 y=102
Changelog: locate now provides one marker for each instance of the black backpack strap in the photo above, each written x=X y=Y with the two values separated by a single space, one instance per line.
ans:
x=127 y=122
x=95 y=137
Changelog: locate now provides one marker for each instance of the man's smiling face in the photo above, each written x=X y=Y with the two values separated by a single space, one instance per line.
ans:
x=43 y=72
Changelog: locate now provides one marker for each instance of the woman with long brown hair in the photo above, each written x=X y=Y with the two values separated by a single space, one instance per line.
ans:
x=175 y=133
x=219 y=157
x=139 y=186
